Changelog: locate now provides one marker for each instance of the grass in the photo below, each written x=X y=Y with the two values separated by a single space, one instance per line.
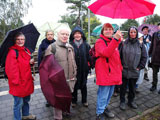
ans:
x=155 y=115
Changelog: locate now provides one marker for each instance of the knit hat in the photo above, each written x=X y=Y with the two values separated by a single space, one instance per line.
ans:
x=106 y=25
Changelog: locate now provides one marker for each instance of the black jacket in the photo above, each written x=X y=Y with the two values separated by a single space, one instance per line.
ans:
x=154 y=50
x=43 y=46
x=81 y=57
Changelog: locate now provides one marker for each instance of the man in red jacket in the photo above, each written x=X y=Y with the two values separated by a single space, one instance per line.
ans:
x=108 y=69
x=20 y=77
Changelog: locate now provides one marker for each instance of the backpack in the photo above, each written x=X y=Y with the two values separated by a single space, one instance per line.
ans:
x=92 y=53
x=4 y=72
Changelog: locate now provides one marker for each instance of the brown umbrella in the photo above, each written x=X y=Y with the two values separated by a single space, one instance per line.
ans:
x=54 y=85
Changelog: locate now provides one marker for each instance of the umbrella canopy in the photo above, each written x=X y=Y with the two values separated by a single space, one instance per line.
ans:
x=54 y=85
x=31 y=35
x=152 y=28
x=50 y=26
x=123 y=9
x=97 y=30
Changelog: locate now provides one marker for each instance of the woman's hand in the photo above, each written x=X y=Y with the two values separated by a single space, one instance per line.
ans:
x=118 y=35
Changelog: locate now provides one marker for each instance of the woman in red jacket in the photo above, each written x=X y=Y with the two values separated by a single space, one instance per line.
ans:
x=20 y=78
x=108 y=69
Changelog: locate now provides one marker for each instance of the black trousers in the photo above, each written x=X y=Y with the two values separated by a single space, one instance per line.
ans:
x=83 y=93
x=155 y=69
x=130 y=83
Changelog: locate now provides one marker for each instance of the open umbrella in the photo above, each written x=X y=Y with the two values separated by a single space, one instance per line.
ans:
x=54 y=85
x=152 y=28
x=123 y=9
x=97 y=30
x=31 y=35
x=52 y=26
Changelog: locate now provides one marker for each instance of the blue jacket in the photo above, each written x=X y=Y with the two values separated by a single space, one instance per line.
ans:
x=43 y=46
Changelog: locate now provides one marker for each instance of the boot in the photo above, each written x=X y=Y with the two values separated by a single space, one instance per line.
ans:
x=100 y=117
x=122 y=106
x=153 y=88
x=108 y=113
x=146 y=77
x=132 y=105
x=29 y=117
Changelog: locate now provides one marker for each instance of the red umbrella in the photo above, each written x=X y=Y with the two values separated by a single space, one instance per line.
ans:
x=54 y=85
x=124 y=9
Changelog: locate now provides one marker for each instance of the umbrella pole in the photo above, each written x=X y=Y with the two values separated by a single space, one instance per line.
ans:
x=34 y=73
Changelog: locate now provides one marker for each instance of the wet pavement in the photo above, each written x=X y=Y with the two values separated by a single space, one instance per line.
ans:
x=145 y=100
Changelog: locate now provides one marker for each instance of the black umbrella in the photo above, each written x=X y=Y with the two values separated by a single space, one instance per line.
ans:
x=31 y=35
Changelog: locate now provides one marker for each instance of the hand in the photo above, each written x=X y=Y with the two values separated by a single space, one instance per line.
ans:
x=147 y=40
x=118 y=35
x=138 y=69
x=31 y=61
x=72 y=79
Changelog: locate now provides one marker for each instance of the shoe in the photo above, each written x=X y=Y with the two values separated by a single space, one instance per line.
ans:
x=137 y=91
x=159 y=92
x=47 y=104
x=108 y=113
x=122 y=106
x=100 y=117
x=29 y=117
x=85 y=104
x=153 y=88
x=132 y=105
x=146 y=77
x=73 y=105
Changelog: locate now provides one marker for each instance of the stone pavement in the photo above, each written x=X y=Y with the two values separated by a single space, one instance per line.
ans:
x=145 y=100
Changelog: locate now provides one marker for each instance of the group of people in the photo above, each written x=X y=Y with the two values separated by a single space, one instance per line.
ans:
x=118 y=63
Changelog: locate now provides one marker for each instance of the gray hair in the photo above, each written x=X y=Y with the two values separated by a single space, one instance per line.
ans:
x=48 y=31
x=17 y=35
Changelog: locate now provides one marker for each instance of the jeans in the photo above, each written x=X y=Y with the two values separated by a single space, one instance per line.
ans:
x=21 y=103
x=103 y=98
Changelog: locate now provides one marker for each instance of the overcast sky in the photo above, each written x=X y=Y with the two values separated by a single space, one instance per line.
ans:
x=51 y=10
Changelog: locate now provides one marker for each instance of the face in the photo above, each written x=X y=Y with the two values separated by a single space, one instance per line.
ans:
x=158 y=27
x=133 y=33
x=63 y=36
x=108 y=32
x=50 y=35
x=20 y=40
x=77 y=36
x=145 y=31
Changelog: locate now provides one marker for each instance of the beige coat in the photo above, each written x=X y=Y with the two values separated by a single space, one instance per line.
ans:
x=64 y=54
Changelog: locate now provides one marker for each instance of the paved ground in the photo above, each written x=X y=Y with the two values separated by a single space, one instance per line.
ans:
x=145 y=100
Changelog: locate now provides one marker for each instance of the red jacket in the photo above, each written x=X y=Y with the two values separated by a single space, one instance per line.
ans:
x=19 y=72
x=108 y=73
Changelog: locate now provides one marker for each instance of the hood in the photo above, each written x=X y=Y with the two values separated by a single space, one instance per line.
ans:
x=79 y=29
x=17 y=47
x=136 y=31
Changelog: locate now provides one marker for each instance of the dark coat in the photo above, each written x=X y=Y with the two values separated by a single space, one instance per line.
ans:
x=133 y=56
x=82 y=58
x=154 y=50
x=147 y=37
x=43 y=46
